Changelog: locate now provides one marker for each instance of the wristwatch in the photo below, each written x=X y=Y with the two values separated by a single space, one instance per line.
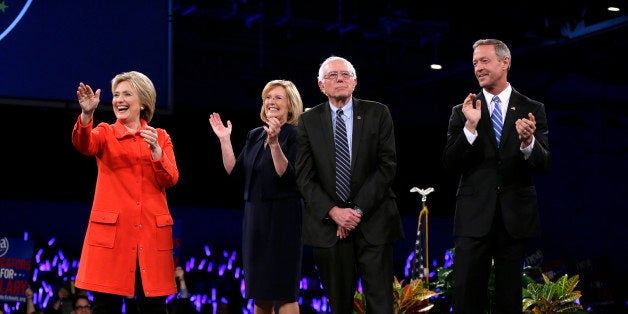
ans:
x=358 y=210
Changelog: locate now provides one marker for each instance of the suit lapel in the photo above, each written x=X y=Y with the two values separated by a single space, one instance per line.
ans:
x=358 y=123
x=513 y=112
x=327 y=132
x=258 y=146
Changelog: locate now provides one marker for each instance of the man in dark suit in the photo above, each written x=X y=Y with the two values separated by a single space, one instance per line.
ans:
x=352 y=234
x=496 y=202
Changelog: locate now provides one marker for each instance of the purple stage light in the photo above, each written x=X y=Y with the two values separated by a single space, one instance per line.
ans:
x=38 y=255
x=201 y=264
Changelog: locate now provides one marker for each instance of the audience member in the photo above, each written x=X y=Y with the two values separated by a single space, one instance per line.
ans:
x=81 y=305
x=181 y=303
x=31 y=308
x=62 y=302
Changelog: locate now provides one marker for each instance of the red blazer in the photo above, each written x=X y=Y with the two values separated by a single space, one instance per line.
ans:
x=129 y=216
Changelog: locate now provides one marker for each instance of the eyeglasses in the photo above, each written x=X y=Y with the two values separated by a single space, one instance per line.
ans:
x=334 y=75
x=276 y=98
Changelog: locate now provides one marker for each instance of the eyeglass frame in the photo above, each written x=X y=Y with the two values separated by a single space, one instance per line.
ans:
x=332 y=76
x=275 y=98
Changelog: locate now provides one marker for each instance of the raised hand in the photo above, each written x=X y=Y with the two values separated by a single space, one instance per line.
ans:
x=471 y=108
x=87 y=98
x=219 y=127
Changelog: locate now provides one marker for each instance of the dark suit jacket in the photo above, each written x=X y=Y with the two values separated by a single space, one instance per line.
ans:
x=489 y=174
x=373 y=169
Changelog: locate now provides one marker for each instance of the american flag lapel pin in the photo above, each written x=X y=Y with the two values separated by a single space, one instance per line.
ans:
x=512 y=108
x=359 y=117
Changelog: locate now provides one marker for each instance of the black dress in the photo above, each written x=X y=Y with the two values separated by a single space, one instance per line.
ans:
x=271 y=230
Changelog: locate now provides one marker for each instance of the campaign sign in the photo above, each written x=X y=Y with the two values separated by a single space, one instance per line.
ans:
x=15 y=268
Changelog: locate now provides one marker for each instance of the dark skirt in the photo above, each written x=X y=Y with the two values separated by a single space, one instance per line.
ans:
x=272 y=250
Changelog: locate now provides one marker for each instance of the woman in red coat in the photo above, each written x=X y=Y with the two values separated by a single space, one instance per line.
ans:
x=128 y=245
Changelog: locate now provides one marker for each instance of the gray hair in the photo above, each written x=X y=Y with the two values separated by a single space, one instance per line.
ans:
x=333 y=58
x=501 y=49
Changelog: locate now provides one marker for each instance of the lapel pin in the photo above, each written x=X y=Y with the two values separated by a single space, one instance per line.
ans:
x=512 y=108
x=359 y=117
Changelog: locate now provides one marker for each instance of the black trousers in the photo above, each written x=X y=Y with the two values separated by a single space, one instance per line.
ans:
x=106 y=303
x=472 y=267
x=340 y=266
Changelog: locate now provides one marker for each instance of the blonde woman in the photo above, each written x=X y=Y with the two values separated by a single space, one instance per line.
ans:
x=271 y=230
x=128 y=245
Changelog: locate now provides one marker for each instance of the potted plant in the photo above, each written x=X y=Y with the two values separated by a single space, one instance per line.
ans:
x=538 y=296
x=413 y=297
x=552 y=297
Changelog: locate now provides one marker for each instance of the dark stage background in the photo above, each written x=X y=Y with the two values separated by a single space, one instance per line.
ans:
x=224 y=52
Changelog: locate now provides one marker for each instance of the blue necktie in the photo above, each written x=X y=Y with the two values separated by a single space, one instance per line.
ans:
x=343 y=163
x=496 y=117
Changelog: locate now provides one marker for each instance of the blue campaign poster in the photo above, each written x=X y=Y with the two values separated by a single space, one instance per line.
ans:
x=15 y=268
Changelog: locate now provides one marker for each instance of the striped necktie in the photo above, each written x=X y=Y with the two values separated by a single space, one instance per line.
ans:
x=343 y=163
x=498 y=120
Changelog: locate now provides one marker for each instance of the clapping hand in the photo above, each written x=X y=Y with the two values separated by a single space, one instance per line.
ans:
x=525 y=129
x=272 y=129
x=471 y=108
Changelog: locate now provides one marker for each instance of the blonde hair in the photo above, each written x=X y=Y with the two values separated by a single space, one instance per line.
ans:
x=295 y=104
x=145 y=88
